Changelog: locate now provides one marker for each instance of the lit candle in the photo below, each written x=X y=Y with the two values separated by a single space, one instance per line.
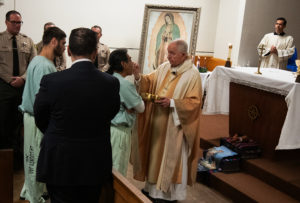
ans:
x=229 y=52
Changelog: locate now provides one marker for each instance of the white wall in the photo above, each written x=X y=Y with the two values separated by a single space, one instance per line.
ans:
x=120 y=20
x=230 y=22
x=240 y=22
x=260 y=17
x=8 y=5
x=244 y=22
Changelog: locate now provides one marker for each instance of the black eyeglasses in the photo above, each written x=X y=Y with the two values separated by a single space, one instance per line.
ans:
x=16 y=22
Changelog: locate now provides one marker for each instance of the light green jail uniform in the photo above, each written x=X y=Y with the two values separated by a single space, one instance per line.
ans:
x=122 y=124
x=38 y=67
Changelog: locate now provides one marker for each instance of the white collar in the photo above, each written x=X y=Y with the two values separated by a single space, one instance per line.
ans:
x=80 y=60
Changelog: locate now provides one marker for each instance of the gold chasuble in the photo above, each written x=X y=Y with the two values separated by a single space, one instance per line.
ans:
x=157 y=155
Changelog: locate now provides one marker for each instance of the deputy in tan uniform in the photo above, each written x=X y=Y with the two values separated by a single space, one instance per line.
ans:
x=16 y=51
x=59 y=61
x=101 y=61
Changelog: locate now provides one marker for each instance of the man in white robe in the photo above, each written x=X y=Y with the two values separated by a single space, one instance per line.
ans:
x=168 y=130
x=277 y=47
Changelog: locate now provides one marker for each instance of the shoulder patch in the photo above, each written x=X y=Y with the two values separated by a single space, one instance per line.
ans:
x=23 y=35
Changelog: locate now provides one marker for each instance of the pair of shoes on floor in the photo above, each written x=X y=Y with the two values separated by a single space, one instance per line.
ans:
x=147 y=195
x=154 y=200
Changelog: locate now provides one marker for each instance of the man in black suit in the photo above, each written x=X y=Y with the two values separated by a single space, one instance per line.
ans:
x=73 y=110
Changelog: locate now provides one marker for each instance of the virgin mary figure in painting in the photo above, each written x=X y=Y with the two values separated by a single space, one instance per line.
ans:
x=167 y=33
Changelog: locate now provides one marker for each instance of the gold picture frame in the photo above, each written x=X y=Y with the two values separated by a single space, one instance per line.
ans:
x=161 y=25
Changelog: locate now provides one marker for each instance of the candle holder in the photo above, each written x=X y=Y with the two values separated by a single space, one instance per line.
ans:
x=261 y=48
x=228 y=62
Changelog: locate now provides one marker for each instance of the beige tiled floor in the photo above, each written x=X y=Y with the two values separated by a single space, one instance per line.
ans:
x=18 y=183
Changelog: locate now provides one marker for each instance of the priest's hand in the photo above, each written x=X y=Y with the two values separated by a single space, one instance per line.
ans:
x=17 y=81
x=136 y=71
x=273 y=50
x=164 y=102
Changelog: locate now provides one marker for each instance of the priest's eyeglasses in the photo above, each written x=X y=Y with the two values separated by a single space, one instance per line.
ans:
x=16 y=22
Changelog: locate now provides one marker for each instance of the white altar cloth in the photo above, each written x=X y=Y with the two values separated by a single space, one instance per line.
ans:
x=272 y=80
x=204 y=77
x=217 y=85
x=290 y=133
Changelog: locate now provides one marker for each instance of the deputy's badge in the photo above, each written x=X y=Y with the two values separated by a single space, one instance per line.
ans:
x=24 y=44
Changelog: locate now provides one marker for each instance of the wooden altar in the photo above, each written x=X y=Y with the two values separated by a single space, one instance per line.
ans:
x=256 y=105
x=258 y=114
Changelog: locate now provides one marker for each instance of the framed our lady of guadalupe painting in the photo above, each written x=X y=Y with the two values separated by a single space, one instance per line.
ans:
x=162 y=25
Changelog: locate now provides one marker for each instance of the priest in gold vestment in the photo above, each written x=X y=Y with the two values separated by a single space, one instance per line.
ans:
x=165 y=154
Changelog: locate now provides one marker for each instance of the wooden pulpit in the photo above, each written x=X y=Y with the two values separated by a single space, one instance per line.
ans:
x=6 y=175
x=123 y=191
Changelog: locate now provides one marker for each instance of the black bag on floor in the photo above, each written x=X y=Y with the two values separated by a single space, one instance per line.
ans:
x=221 y=159
x=241 y=144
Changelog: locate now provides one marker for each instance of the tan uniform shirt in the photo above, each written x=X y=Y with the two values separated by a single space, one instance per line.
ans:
x=59 y=61
x=26 y=52
x=103 y=56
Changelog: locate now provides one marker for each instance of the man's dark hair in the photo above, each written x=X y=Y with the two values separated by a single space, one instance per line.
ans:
x=47 y=24
x=97 y=26
x=7 y=17
x=115 y=59
x=82 y=42
x=53 y=32
x=283 y=19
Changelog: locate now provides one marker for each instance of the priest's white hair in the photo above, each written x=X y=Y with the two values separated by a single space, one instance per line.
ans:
x=181 y=45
